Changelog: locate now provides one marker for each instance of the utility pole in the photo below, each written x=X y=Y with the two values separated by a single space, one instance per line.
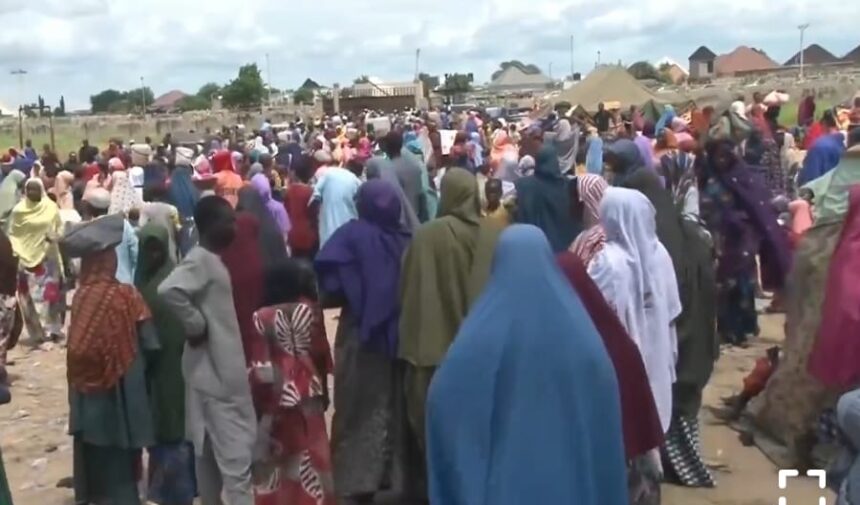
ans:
x=417 y=61
x=550 y=70
x=20 y=73
x=571 y=57
x=598 y=59
x=802 y=29
x=268 y=80
x=143 y=97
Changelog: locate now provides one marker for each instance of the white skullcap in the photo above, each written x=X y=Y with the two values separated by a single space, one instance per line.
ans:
x=99 y=198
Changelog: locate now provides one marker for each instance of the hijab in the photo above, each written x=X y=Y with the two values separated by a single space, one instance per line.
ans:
x=450 y=258
x=182 y=193
x=543 y=199
x=103 y=338
x=636 y=276
x=261 y=183
x=665 y=120
x=588 y=243
x=640 y=421
x=361 y=261
x=63 y=190
x=269 y=239
x=10 y=191
x=245 y=265
x=123 y=198
x=33 y=227
x=594 y=155
x=821 y=158
x=527 y=332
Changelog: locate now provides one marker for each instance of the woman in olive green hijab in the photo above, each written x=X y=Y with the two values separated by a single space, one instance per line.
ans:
x=444 y=270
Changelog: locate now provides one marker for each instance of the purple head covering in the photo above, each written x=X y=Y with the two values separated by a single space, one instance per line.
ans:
x=361 y=261
x=643 y=143
x=261 y=183
x=753 y=197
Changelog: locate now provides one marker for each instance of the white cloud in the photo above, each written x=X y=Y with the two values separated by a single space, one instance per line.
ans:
x=79 y=47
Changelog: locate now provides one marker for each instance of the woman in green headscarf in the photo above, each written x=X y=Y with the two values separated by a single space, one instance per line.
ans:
x=171 y=469
x=444 y=270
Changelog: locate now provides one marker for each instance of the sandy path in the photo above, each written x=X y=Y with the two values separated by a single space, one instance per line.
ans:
x=37 y=451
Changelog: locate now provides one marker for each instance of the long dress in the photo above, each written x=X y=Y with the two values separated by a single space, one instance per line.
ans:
x=293 y=463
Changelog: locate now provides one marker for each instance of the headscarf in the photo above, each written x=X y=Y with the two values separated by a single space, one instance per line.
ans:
x=484 y=421
x=164 y=374
x=34 y=227
x=646 y=150
x=365 y=150
x=738 y=109
x=648 y=300
x=590 y=242
x=665 y=120
x=10 y=191
x=261 y=183
x=103 y=340
x=821 y=157
x=449 y=257
x=475 y=148
x=509 y=168
x=63 y=190
x=270 y=240
x=835 y=357
x=639 y=418
x=182 y=193
x=123 y=198
x=753 y=198
x=361 y=260
x=115 y=165
x=543 y=199
x=245 y=264
x=806 y=111
x=223 y=161
x=594 y=155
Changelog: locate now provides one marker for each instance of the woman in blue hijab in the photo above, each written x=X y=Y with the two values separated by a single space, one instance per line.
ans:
x=184 y=195
x=525 y=407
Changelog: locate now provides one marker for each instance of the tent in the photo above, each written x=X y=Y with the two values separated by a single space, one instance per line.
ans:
x=607 y=84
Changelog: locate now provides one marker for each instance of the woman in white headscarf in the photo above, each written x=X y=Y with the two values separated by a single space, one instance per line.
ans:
x=636 y=276
x=123 y=197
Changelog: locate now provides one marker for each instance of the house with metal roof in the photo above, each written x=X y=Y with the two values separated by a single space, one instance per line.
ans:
x=702 y=64
x=518 y=79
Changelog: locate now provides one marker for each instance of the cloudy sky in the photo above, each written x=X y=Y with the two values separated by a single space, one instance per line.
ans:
x=79 y=47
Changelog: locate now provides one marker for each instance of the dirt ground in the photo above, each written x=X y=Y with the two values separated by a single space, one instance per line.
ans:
x=37 y=450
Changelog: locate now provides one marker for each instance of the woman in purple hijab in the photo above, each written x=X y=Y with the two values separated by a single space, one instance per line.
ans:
x=735 y=205
x=358 y=269
x=279 y=213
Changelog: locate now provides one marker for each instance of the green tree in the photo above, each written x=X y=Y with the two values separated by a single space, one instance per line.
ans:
x=457 y=83
x=101 y=102
x=303 y=96
x=363 y=79
x=246 y=90
x=194 y=102
x=644 y=70
x=61 y=109
x=208 y=90
x=430 y=82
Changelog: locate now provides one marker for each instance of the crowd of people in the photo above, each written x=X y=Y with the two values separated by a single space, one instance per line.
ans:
x=551 y=291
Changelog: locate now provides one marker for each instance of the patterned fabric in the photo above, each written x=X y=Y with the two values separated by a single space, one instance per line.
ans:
x=41 y=299
x=682 y=458
x=103 y=331
x=9 y=316
x=294 y=463
x=123 y=198
x=171 y=474
x=774 y=174
x=736 y=248
x=588 y=243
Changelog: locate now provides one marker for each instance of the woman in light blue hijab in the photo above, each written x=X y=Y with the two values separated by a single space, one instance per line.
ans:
x=525 y=407
x=594 y=155
x=665 y=120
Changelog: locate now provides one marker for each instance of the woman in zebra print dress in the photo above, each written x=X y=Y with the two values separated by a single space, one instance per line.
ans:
x=290 y=359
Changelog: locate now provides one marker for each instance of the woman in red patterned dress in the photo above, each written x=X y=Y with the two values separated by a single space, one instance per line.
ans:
x=292 y=461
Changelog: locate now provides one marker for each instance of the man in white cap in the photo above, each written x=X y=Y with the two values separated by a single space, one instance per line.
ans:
x=140 y=157
x=97 y=202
